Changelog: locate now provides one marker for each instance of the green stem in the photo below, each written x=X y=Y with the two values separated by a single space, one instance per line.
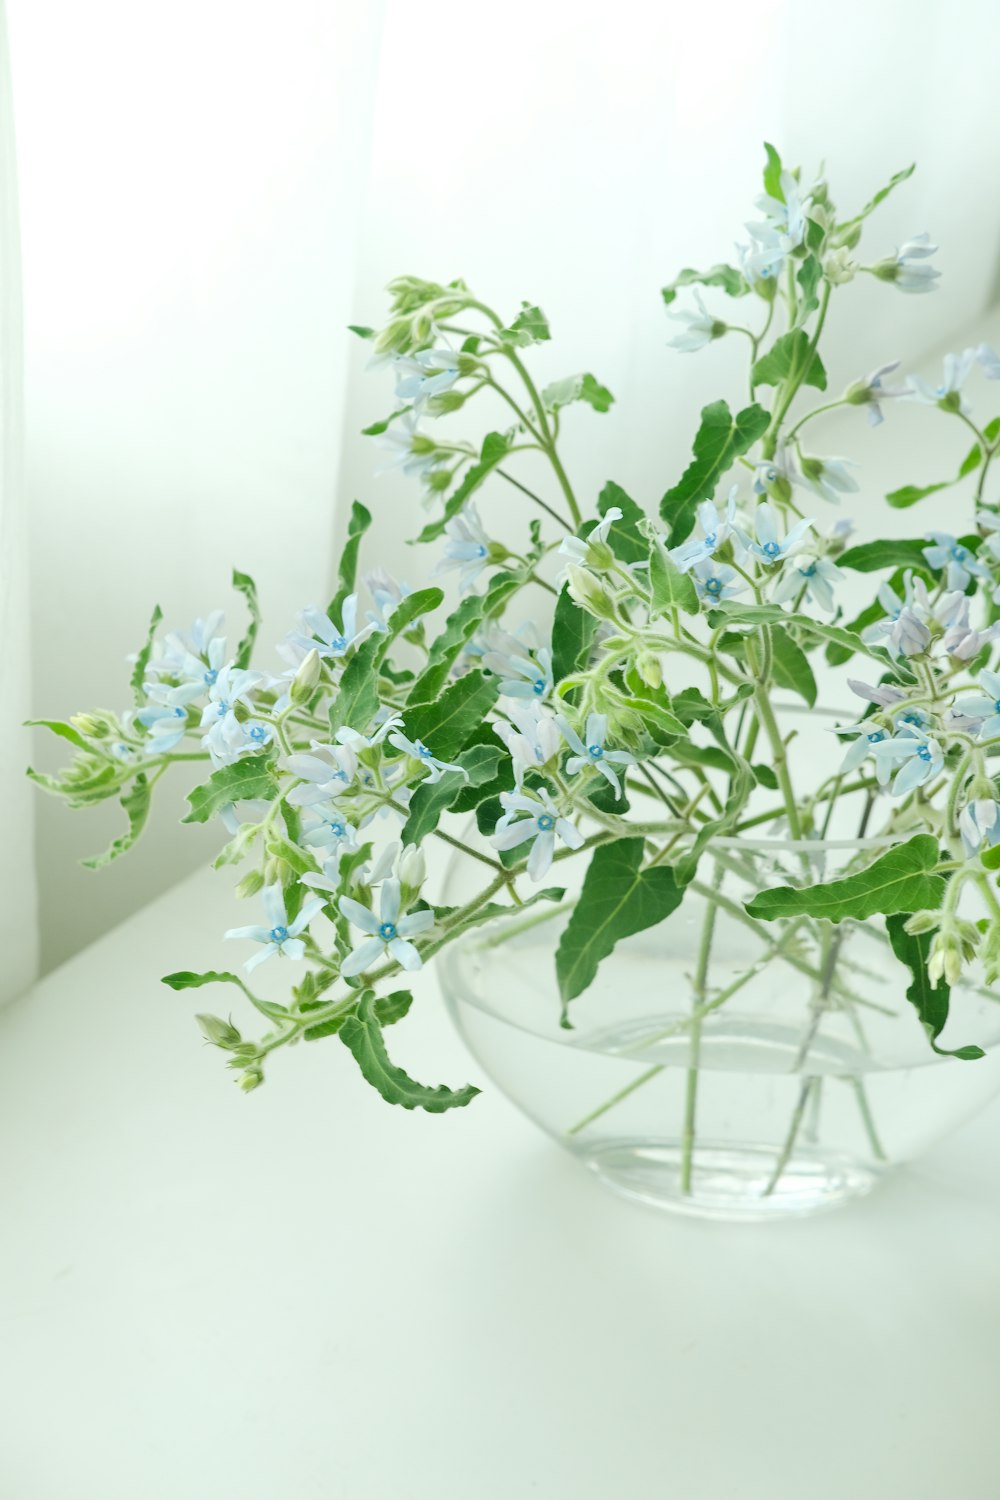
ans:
x=691 y=1080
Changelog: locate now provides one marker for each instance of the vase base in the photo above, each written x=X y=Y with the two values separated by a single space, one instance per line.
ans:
x=729 y=1182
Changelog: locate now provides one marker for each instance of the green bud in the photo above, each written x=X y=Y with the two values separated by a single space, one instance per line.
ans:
x=588 y=592
x=220 y=1033
x=251 y=1079
x=922 y=921
x=858 y=394
x=886 y=270
x=839 y=268
x=394 y=338
x=306 y=679
x=600 y=557
x=445 y=402
x=498 y=553
x=251 y=883
x=439 y=480
x=951 y=401
x=649 y=668
x=95 y=726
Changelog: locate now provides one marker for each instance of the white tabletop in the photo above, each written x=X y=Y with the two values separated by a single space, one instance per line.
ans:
x=305 y=1294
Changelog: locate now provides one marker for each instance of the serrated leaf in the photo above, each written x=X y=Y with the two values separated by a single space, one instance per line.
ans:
x=357 y=699
x=529 y=327
x=618 y=899
x=623 y=537
x=245 y=585
x=247 y=780
x=494 y=450
x=63 y=730
x=447 y=725
x=186 y=979
x=931 y=1002
x=726 y=278
x=433 y=798
x=720 y=440
x=893 y=552
x=880 y=196
x=671 y=588
x=136 y=804
x=791 y=666
x=459 y=628
x=898 y=881
x=137 y=679
x=362 y=1035
x=278 y=847
x=790 y=358
x=388 y=1010
x=348 y=569
x=809 y=275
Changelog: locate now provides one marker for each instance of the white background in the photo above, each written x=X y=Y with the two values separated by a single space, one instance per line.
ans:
x=211 y=191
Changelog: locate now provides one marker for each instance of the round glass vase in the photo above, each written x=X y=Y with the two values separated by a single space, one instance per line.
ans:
x=721 y=1066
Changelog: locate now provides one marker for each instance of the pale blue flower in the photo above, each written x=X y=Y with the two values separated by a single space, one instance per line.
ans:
x=540 y=824
x=979 y=825
x=468 y=547
x=699 y=328
x=715 y=528
x=767 y=546
x=948 y=552
x=984 y=708
x=412 y=450
x=869 y=736
x=816 y=576
x=577 y=549
x=911 y=272
x=194 y=656
x=224 y=735
x=990 y=361
x=829 y=478
x=325 y=773
x=760 y=261
x=885 y=695
x=318 y=632
x=919 y=756
x=387 y=593
x=522 y=676
x=531 y=736
x=417 y=750
x=592 y=751
x=957 y=368
x=389 y=931
x=280 y=936
x=715 y=581
x=878 y=392
x=426 y=374
x=324 y=826
x=167 y=726
x=785 y=217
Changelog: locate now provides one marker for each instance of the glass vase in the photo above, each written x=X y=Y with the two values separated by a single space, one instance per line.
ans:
x=722 y=1066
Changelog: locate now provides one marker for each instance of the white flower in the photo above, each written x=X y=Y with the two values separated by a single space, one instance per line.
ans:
x=922 y=759
x=815 y=577
x=985 y=708
x=389 y=931
x=167 y=725
x=760 y=262
x=579 y=549
x=417 y=750
x=979 y=825
x=425 y=374
x=522 y=676
x=908 y=269
x=540 y=824
x=194 y=655
x=531 y=737
x=318 y=632
x=839 y=268
x=325 y=773
x=785 y=219
x=872 y=391
x=325 y=827
x=387 y=594
x=468 y=547
x=593 y=753
x=281 y=936
x=829 y=478
x=413 y=451
x=767 y=545
x=948 y=552
x=990 y=361
x=716 y=529
x=226 y=737
x=957 y=368
x=700 y=328
x=869 y=735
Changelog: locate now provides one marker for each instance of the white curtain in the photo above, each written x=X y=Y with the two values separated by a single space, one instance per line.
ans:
x=212 y=190
x=18 y=934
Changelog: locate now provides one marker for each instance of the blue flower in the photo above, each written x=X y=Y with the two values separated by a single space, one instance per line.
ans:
x=325 y=773
x=593 y=753
x=814 y=577
x=919 y=757
x=226 y=738
x=767 y=545
x=948 y=552
x=280 y=935
x=715 y=530
x=426 y=374
x=716 y=581
x=541 y=823
x=325 y=827
x=578 y=549
x=418 y=751
x=984 y=709
x=389 y=931
x=522 y=676
x=167 y=725
x=979 y=825
x=468 y=547
x=318 y=632
x=870 y=735
x=531 y=737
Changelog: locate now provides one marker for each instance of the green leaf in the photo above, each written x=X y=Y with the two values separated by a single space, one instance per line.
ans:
x=909 y=494
x=572 y=633
x=772 y=173
x=245 y=781
x=623 y=538
x=494 y=450
x=362 y=1035
x=788 y=358
x=447 y=725
x=720 y=440
x=361 y=331
x=577 y=388
x=617 y=900
x=898 y=881
x=791 y=666
x=245 y=585
x=880 y=196
x=459 y=628
x=529 y=327
x=357 y=701
x=894 y=552
x=432 y=798
x=726 y=278
x=185 y=979
x=732 y=612
x=278 y=847
x=671 y=588
x=136 y=804
x=388 y=1010
x=348 y=571
x=63 y=730
x=138 y=677
x=809 y=275
x=930 y=1001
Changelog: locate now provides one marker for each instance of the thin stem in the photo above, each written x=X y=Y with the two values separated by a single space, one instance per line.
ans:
x=532 y=496
x=808 y=1084
x=691 y=1080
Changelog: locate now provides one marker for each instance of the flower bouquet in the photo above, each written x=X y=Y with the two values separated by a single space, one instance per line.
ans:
x=705 y=921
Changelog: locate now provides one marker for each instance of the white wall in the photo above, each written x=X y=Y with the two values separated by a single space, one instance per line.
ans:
x=210 y=191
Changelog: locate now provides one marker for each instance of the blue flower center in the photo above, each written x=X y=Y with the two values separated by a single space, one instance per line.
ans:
x=959 y=554
x=222 y=708
x=210 y=676
x=875 y=737
x=996 y=704
x=771 y=549
x=423 y=751
x=923 y=753
x=258 y=733
x=278 y=934
x=338 y=829
x=339 y=643
x=387 y=931
x=711 y=537
x=180 y=713
x=910 y=718
x=809 y=572
x=480 y=550
x=340 y=776
x=713 y=585
x=538 y=686
x=595 y=752
x=546 y=822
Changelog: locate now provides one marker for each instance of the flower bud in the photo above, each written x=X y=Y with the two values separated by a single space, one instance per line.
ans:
x=412 y=868
x=95 y=725
x=922 y=921
x=251 y=883
x=588 y=592
x=251 y=1079
x=839 y=268
x=600 y=557
x=220 y=1033
x=306 y=679
x=649 y=668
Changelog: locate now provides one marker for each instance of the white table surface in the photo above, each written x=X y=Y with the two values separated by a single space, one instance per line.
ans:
x=306 y=1293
